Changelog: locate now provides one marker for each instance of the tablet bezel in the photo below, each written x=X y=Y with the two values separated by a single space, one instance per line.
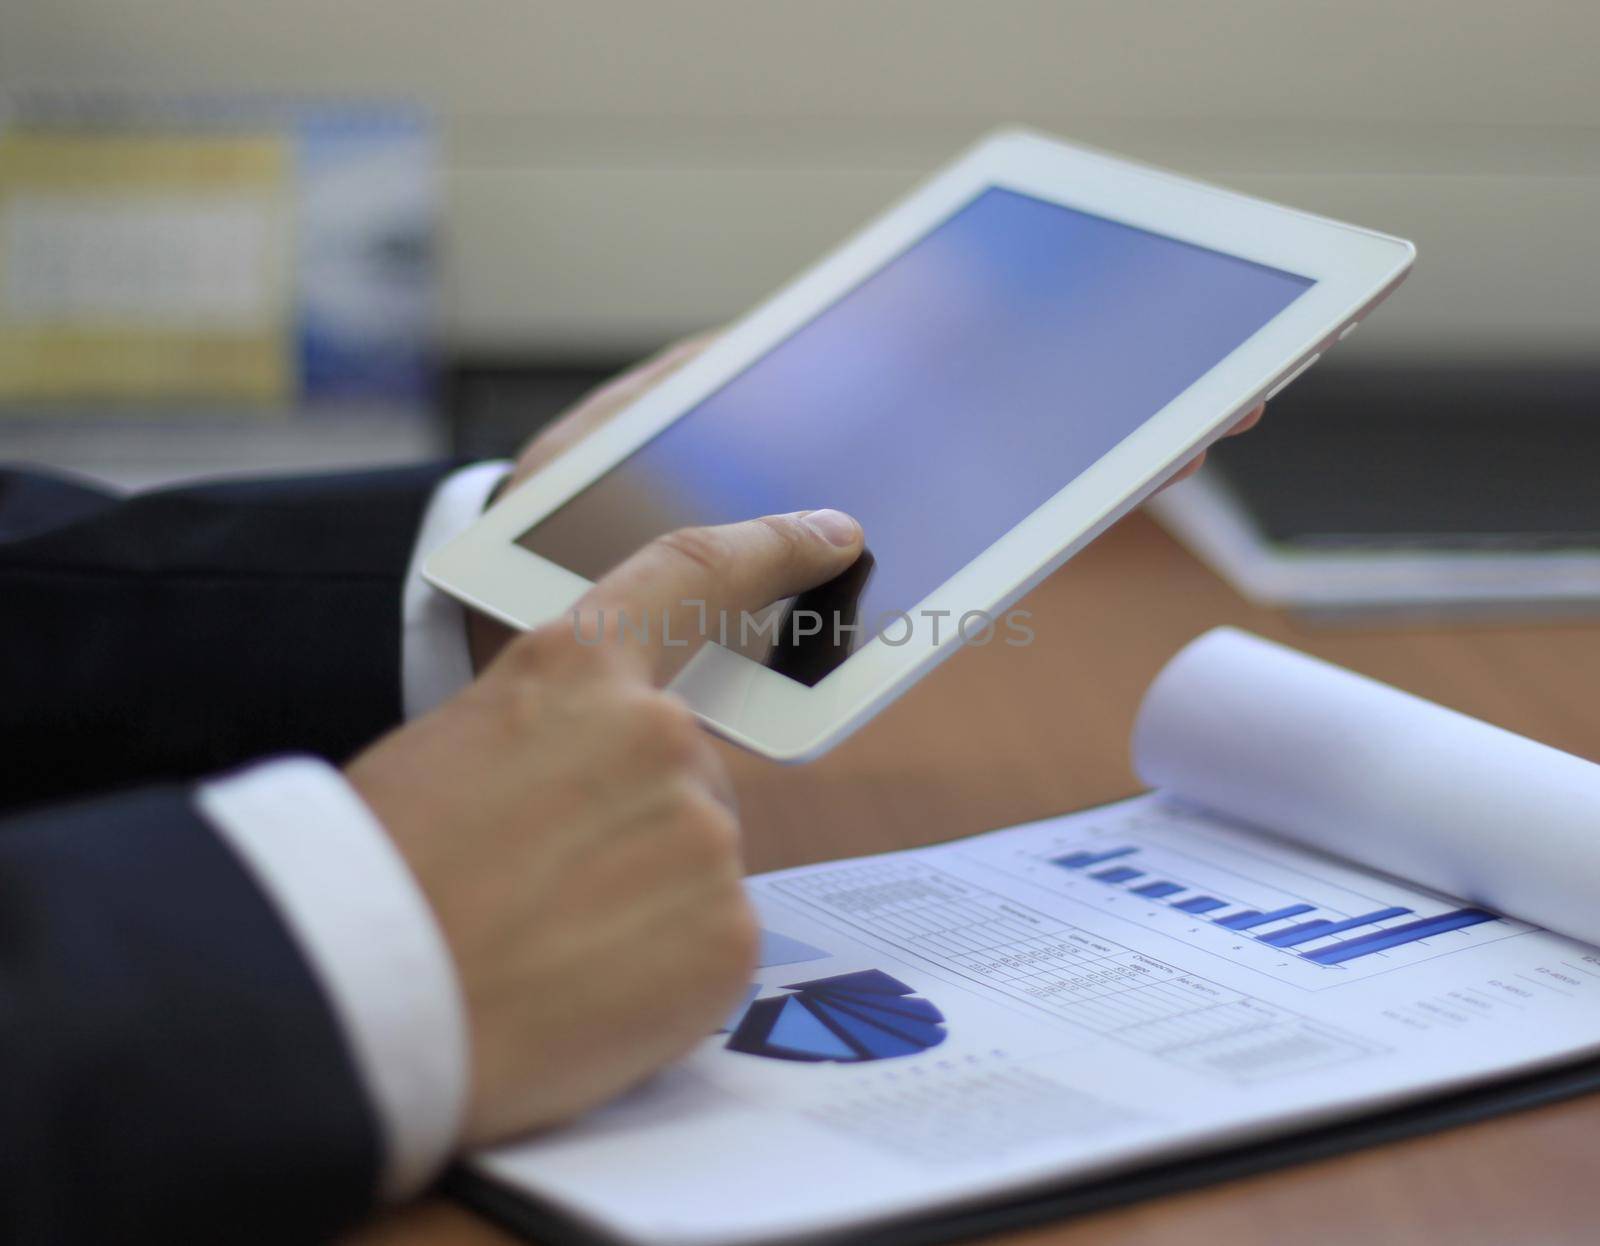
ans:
x=1353 y=270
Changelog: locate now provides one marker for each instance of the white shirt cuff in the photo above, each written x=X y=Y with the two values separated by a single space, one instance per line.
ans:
x=435 y=663
x=366 y=930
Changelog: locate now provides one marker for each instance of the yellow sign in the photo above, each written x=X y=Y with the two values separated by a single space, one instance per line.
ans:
x=144 y=267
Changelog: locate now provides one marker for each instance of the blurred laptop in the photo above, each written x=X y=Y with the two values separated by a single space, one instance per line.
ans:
x=1422 y=490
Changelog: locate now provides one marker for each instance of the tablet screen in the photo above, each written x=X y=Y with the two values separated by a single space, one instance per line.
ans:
x=942 y=400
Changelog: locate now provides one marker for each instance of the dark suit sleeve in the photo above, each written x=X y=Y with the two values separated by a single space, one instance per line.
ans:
x=172 y=1072
x=181 y=631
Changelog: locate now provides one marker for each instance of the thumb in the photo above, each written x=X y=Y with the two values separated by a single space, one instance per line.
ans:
x=664 y=602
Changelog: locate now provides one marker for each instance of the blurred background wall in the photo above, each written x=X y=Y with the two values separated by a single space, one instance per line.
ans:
x=618 y=173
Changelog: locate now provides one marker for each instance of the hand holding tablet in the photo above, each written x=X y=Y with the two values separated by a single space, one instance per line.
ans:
x=986 y=378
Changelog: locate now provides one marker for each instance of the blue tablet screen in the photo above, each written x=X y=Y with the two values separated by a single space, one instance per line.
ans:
x=940 y=401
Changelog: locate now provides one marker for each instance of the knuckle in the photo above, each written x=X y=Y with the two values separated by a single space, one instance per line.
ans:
x=702 y=548
x=514 y=680
x=663 y=728
x=531 y=670
x=524 y=709
x=708 y=830
x=552 y=650
x=714 y=771
x=534 y=652
x=792 y=541
x=740 y=933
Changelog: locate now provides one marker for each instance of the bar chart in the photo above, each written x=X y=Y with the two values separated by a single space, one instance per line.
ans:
x=1378 y=938
x=1293 y=914
x=1054 y=967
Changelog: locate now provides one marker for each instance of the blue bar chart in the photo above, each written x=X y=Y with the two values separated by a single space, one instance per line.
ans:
x=1315 y=934
x=1251 y=918
x=1200 y=904
x=1305 y=932
x=1083 y=860
x=1395 y=936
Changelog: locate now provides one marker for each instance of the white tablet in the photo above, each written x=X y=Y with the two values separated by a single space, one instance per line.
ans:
x=986 y=376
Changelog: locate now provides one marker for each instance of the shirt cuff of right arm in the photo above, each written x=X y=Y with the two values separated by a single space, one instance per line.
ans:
x=370 y=938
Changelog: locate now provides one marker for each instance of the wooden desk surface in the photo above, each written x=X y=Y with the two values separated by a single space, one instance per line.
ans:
x=1001 y=735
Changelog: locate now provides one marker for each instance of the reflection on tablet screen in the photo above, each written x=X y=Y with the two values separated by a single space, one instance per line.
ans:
x=940 y=402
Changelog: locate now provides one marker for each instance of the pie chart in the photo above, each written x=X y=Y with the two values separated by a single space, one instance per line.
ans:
x=847 y=1019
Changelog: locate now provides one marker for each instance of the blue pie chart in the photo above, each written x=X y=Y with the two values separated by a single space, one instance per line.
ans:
x=847 y=1019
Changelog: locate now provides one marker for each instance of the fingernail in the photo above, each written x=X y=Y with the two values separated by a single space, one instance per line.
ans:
x=835 y=527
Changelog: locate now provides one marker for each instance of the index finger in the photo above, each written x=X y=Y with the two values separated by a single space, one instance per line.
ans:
x=664 y=602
